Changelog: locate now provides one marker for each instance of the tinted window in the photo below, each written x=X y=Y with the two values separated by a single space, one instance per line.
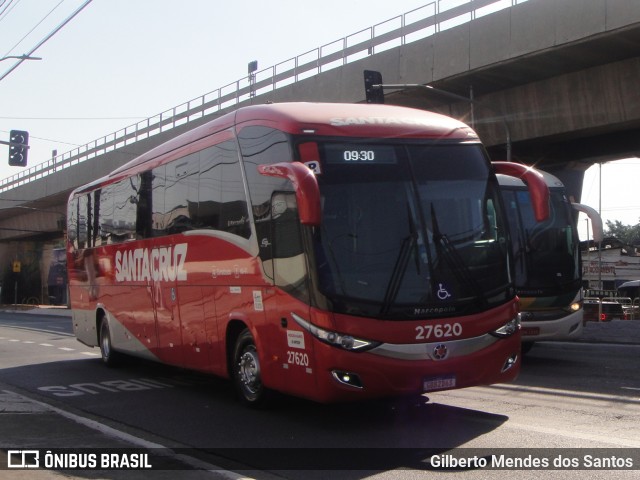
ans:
x=261 y=146
x=203 y=190
x=117 y=211
x=222 y=201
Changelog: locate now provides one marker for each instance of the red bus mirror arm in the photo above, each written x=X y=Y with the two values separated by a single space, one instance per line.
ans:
x=535 y=183
x=305 y=184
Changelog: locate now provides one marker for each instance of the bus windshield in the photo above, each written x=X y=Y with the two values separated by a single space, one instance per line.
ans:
x=410 y=229
x=546 y=253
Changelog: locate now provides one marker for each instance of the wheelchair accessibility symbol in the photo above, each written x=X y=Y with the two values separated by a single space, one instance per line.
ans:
x=442 y=293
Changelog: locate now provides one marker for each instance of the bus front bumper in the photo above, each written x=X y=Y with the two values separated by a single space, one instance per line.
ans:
x=566 y=328
x=405 y=370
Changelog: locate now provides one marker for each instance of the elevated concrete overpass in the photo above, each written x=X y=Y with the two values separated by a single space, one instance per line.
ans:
x=558 y=77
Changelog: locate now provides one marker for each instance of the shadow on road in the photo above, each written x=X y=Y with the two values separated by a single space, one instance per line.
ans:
x=199 y=413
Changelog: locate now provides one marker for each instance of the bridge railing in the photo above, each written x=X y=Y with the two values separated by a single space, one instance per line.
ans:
x=416 y=24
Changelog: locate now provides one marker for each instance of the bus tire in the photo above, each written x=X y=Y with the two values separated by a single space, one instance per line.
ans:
x=246 y=374
x=109 y=356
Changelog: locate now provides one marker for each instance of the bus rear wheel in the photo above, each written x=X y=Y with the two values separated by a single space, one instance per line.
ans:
x=247 y=377
x=109 y=357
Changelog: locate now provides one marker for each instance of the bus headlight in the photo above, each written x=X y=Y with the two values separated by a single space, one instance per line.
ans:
x=508 y=329
x=335 y=339
x=575 y=306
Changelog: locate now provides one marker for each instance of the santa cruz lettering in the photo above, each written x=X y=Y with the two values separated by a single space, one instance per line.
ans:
x=157 y=264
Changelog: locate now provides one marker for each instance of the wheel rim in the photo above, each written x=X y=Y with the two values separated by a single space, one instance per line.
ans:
x=249 y=371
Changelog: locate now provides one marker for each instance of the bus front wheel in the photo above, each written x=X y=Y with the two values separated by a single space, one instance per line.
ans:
x=247 y=377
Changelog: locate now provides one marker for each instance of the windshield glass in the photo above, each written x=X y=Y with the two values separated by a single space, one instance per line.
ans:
x=409 y=230
x=545 y=253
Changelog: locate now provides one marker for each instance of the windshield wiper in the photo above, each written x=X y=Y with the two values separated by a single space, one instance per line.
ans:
x=400 y=267
x=459 y=268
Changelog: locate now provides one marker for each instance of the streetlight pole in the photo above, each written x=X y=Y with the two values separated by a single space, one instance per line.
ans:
x=600 y=213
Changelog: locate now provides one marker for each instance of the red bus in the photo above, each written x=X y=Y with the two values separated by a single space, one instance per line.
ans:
x=330 y=251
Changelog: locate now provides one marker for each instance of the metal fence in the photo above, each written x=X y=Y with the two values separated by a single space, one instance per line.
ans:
x=411 y=26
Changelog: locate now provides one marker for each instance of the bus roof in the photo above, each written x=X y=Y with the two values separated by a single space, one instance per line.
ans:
x=357 y=119
x=326 y=119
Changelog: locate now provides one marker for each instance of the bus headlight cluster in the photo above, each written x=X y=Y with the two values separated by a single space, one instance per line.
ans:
x=575 y=306
x=335 y=339
x=508 y=329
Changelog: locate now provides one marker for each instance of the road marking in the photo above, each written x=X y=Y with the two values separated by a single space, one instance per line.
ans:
x=67 y=349
x=45 y=345
x=137 y=441
x=90 y=354
x=28 y=341
x=14 y=340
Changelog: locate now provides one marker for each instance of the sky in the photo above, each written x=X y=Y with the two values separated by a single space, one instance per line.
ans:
x=121 y=61
x=619 y=193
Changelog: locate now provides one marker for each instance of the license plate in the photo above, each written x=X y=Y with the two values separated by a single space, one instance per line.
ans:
x=530 y=331
x=439 y=383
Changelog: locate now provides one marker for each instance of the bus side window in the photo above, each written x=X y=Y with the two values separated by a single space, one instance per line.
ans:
x=143 y=205
x=83 y=221
x=222 y=203
x=72 y=223
x=260 y=146
x=181 y=194
x=117 y=211
x=158 y=217
x=286 y=227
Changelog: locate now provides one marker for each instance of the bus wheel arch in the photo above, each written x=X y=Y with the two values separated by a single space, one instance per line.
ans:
x=244 y=365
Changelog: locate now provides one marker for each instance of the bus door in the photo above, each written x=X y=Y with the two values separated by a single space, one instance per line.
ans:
x=286 y=257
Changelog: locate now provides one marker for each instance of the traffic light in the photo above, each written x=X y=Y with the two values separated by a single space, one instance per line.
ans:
x=373 y=95
x=18 y=148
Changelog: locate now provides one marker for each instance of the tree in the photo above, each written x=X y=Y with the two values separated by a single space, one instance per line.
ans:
x=627 y=234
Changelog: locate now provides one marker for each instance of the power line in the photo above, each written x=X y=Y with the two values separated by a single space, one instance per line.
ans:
x=6 y=9
x=36 y=26
x=47 y=38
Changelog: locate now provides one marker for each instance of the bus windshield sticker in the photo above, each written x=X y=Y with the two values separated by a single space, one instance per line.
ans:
x=314 y=166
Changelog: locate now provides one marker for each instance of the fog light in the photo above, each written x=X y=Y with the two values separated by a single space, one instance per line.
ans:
x=347 y=378
x=510 y=362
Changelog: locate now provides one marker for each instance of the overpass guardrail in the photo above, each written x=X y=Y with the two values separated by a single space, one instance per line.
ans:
x=422 y=22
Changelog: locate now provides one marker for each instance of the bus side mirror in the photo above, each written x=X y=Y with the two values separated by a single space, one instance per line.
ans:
x=596 y=220
x=538 y=189
x=306 y=188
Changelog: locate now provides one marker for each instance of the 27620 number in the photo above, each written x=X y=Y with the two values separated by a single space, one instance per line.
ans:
x=298 y=358
x=441 y=330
